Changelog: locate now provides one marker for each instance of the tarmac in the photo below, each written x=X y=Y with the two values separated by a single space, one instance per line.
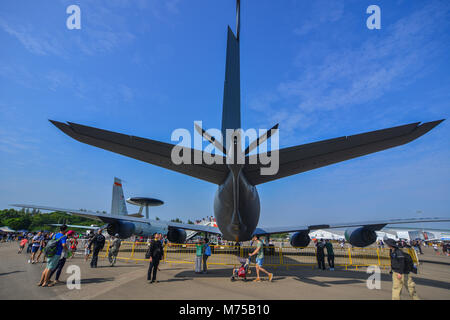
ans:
x=127 y=281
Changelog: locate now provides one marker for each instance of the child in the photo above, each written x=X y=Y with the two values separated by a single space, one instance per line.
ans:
x=23 y=242
x=73 y=247
x=435 y=247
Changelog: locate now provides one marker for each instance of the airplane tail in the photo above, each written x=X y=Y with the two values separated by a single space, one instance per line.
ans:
x=118 y=206
x=231 y=113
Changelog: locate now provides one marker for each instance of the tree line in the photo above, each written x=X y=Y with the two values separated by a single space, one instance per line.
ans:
x=34 y=220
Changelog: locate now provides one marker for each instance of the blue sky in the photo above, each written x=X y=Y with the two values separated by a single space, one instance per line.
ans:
x=148 y=67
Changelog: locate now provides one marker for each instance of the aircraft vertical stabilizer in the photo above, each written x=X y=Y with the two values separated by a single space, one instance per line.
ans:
x=231 y=114
x=118 y=206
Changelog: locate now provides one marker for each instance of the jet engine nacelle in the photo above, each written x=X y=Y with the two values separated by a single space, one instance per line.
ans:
x=360 y=237
x=176 y=235
x=123 y=228
x=300 y=239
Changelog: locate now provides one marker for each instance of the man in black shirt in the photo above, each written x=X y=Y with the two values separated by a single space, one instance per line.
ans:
x=98 y=241
x=400 y=269
x=320 y=254
x=155 y=253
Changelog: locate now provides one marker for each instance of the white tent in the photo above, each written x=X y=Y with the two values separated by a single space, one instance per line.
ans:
x=6 y=229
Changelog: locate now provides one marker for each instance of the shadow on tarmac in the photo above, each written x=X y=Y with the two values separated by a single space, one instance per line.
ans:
x=435 y=262
x=96 y=280
x=305 y=274
x=175 y=280
x=6 y=273
x=359 y=276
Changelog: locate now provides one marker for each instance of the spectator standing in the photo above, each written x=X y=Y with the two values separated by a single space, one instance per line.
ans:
x=330 y=254
x=22 y=244
x=87 y=250
x=30 y=243
x=64 y=255
x=155 y=254
x=320 y=254
x=198 y=256
x=36 y=242
x=53 y=252
x=435 y=247
x=98 y=242
x=206 y=255
x=114 y=249
x=42 y=245
x=401 y=268
x=73 y=245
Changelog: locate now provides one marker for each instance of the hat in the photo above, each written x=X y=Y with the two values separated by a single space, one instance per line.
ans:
x=116 y=235
x=70 y=232
x=391 y=242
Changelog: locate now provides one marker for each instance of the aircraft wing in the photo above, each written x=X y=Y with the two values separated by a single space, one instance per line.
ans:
x=107 y=218
x=194 y=227
x=86 y=214
x=74 y=226
x=315 y=155
x=150 y=151
x=374 y=225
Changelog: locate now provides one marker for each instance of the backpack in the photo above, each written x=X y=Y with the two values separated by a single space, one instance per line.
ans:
x=100 y=241
x=409 y=264
x=52 y=246
x=207 y=250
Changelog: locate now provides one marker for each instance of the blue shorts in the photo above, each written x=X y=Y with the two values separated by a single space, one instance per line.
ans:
x=34 y=248
x=260 y=262
x=52 y=262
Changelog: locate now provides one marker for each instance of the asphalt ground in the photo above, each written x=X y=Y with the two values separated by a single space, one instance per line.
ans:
x=179 y=281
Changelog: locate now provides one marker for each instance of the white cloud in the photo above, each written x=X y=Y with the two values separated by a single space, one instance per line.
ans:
x=348 y=77
x=38 y=44
x=322 y=12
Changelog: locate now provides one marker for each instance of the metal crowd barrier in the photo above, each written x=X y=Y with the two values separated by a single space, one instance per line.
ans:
x=273 y=256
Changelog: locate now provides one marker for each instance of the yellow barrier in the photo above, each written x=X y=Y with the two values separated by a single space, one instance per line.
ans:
x=273 y=256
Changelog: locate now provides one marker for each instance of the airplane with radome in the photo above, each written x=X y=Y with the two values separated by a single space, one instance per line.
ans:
x=118 y=221
x=236 y=202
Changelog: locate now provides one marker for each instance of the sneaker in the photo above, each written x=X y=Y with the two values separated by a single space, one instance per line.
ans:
x=257 y=280
x=270 y=277
x=29 y=261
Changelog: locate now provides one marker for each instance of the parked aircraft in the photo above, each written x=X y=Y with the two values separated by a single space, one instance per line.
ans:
x=118 y=221
x=236 y=203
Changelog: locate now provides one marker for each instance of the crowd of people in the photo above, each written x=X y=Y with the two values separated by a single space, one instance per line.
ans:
x=57 y=248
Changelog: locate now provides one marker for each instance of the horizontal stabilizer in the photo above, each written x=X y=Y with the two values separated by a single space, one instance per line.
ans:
x=150 y=151
x=261 y=140
x=315 y=155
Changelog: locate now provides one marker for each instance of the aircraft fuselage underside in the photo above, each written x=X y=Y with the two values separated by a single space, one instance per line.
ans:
x=237 y=208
